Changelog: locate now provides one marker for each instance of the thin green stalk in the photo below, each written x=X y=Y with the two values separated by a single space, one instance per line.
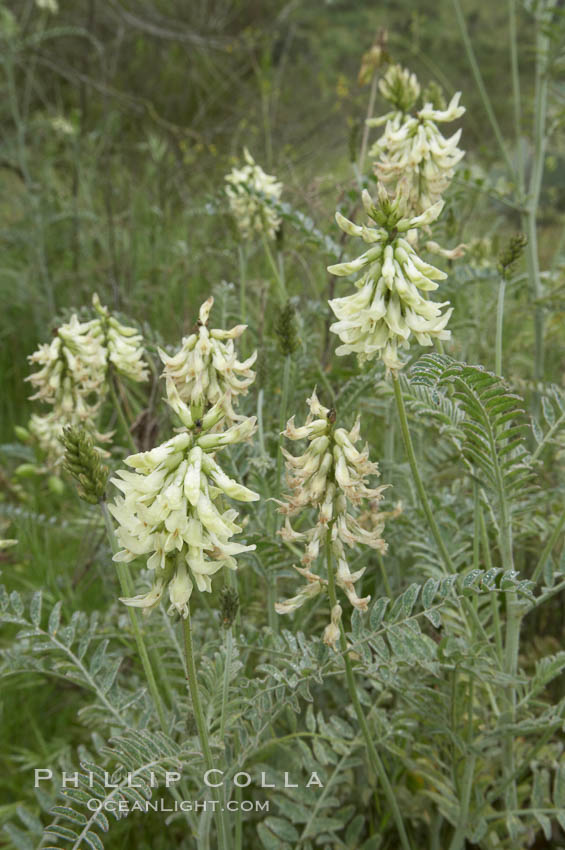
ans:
x=458 y=840
x=365 y=138
x=529 y=218
x=548 y=547
x=126 y=584
x=493 y=595
x=271 y=576
x=499 y=326
x=276 y=271
x=446 y=557
x=242 y=282
x=374 y=757
x=516 y=99
x=514 y=613
x=282 y=417
x=121 y=414
x=480 y=84
x=226 y=681
x=225 y=694
x=199 y=718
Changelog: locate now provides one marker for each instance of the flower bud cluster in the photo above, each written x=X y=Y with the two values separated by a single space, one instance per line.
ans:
x=390 y=305
x=171 y=510
x=206 y=370
x=331 y=477
x=412 y=156
x=250 y=192
x=73 y=374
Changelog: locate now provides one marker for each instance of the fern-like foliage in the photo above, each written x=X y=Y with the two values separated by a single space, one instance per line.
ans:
x=73 y=652
x=492 y=430
x=137 y=764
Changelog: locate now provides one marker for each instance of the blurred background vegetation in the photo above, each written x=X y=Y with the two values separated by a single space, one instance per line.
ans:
x=120 y=119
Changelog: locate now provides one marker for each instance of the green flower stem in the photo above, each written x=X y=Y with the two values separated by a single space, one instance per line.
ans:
x=282 y=417
x=374 y=757
x=126 y=584
x=226 y=682
x=512 y=643
x=223 y=715
x=199 y=718
x=516 y=97
x=529 y=218
x=548 y=548
x=493 y=595
x=480 y=83
x=448 y=563
x=271 y=577
x=283 y=295
x=121 y=414
x=365 y=138
x=499 y=326
x=242 y=282
x=514 y=613
x=458 y=840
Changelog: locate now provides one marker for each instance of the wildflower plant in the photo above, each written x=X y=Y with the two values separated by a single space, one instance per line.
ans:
x=251 y=193
x=330 y=477
x=171 y=510
x=391 y=305
x=408 y=679
x=413 y=157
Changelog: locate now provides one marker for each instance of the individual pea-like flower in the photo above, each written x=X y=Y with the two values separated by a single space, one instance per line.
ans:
x=412 y=156
x=206 y=368
x=390 y=305
x=331 y=477
x=332 y=631
x=251 y=193
x=170 y=509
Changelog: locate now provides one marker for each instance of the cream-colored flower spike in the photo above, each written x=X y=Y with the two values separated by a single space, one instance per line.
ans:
x=170 y=512
x=331 y=476
x=250 y=191
x=206 y=368
x=390 y=306
x=413 y=158
x=73 y=374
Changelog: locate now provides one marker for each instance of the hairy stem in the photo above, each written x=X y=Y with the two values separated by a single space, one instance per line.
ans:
x=446 y=557
x=200 y=723
x=529 y=217
x=242 y=283
x=499 y=326
x=374 y=757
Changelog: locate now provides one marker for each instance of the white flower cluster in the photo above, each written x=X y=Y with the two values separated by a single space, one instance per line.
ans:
x=73 y=374
x=250 y=192
x=170 y=509
x=330 y=476
x=206 y=368
x=390 y=305
x=412 y=156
